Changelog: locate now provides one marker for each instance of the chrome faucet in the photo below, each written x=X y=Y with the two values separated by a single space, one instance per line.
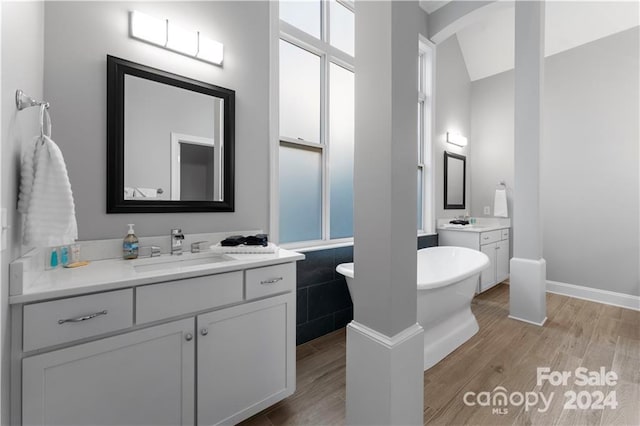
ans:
x=176 y=241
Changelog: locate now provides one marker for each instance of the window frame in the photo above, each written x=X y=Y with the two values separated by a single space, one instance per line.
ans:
x=328 y=54
x=426 y=138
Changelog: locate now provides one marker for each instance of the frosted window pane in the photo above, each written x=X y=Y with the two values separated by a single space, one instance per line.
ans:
x=342 y=28
x=420 y=192
x=299 y=93
x=300 y=194
x=420 y=132
x=341 y=137
x=304 y=15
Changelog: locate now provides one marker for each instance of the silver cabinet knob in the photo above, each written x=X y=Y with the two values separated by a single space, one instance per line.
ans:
x=188 y=337
x=204 y=331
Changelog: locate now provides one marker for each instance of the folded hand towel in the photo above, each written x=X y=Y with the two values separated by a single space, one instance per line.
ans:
x=46 y=199
x=500 y=203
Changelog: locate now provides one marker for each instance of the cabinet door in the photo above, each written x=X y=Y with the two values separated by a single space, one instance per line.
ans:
x=488 y=276
x=502 y=260
x=246 y=359
x=144 y=377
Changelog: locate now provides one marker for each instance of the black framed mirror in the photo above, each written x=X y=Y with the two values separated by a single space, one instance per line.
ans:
x=455 y=175
x=170 y=142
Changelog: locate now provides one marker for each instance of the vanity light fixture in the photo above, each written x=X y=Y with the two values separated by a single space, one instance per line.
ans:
x=181 y=40
x=165 y=34
x=456 y=139
x=148 y=28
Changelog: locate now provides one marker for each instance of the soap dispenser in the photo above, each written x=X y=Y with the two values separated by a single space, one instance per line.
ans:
x=130 y=245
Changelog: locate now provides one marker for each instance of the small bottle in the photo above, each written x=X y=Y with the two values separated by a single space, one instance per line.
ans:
x=130 y=245
x=52 y=258
x=75 y=253
x=64 y=255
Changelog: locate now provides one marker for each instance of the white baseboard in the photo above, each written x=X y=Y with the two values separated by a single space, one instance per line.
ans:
x=595 y=295
x=540 y=324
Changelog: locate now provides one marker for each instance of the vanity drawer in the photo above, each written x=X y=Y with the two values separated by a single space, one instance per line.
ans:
x=269 y=280
x=505 y=234
x=65 y=320
x=490 y=237
x=158 y=301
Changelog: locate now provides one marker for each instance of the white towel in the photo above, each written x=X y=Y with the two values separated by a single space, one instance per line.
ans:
x=128 y=192
x=145 y=192
x=500 y=203
x=45 y=197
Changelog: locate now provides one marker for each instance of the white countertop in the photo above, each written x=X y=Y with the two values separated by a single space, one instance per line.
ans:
x=110 y=274
x=471 y=228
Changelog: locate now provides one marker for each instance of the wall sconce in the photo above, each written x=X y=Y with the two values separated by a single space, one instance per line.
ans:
x=165 y=34
x=456 y=139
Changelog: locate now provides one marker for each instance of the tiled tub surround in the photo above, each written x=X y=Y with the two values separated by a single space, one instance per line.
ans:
x=323 y=301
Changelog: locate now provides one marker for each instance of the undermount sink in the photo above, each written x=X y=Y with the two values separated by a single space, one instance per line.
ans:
x=171 y=262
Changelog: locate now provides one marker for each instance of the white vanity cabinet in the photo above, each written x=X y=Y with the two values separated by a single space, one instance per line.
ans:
x=492 y=242
x=142 y=377
x=251 y=343
x=205 y=350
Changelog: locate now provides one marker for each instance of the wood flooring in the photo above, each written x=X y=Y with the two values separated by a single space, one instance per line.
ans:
x=503 y=353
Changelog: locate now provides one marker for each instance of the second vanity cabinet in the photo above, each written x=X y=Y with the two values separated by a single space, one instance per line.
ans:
x=494 y=243
x=205 y=350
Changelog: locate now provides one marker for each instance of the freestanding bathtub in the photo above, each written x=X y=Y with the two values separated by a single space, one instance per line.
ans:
x=447 y=280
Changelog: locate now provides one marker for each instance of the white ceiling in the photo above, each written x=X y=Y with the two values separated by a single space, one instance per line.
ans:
x=488 y=45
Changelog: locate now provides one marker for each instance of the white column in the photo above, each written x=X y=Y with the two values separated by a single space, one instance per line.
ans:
x=528 y=268
x=384 y=343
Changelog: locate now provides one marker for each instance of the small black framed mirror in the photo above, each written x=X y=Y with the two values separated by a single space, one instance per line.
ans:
x=170 y=142
x=455 y=175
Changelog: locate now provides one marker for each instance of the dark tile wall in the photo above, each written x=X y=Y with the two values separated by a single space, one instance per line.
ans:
x=323 y=301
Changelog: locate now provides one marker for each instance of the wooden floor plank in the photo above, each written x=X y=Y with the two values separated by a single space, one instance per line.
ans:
x=504 y=353
x=627 y=412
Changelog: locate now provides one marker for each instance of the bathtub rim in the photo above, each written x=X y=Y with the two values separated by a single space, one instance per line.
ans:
x=346 y=269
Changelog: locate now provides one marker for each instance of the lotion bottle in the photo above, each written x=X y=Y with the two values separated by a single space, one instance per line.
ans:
x=130 y=245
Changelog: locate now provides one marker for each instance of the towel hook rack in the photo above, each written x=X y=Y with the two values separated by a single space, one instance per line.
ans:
x=24 y=101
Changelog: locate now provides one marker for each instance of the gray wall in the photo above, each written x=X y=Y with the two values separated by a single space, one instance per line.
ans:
x=79 y=35
x=491 y=141
x=452 y=112
x=22 y=68
x=589 y=161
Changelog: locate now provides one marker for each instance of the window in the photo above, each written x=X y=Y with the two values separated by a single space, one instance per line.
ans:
x=425 y=208
x=316 y=115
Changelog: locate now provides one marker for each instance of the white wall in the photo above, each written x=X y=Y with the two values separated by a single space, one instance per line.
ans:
x=452 y=112
x=22 y=68
x=589 y=161
x=79 y=35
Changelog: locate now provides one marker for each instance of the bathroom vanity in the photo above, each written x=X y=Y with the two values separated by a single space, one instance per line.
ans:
x=205 y=339
x=491 y=238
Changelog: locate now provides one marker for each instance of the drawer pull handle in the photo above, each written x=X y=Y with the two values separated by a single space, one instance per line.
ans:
x=271 y=281
x=84 y=318
x=188 y=337
x=204 y=331
x=485 y=238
